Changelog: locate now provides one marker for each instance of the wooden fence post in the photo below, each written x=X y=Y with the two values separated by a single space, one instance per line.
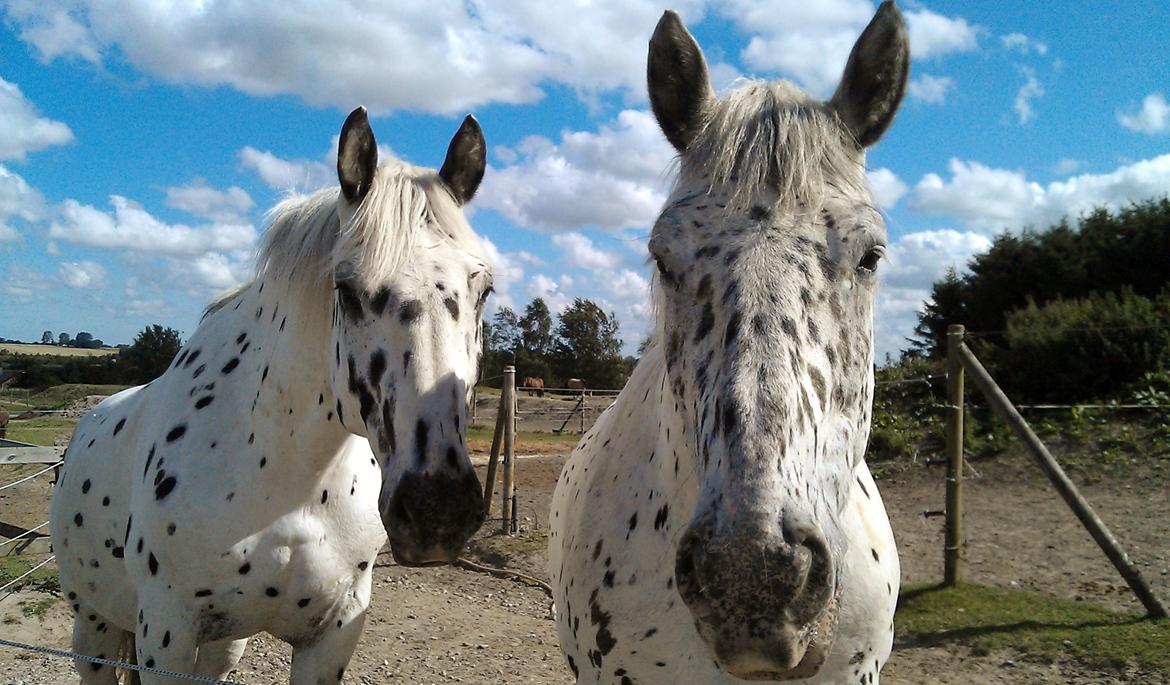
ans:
x=953 y=544
x=508 y=409
x=1080 y=506
x=489 y=481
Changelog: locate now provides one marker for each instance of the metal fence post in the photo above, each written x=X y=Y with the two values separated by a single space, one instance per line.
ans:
x=952 y=547
x=508 y=405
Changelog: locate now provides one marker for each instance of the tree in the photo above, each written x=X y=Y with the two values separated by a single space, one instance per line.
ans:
x=83 y=339
x=536 y=328
x=505 y=330
x=47 y=338
x=64 y=339
x=151 y=353
x=588 y=346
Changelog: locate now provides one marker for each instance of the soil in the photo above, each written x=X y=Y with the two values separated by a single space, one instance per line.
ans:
x=450 y=625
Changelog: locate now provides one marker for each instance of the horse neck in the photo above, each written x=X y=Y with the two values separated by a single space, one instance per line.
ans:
x=292 y=398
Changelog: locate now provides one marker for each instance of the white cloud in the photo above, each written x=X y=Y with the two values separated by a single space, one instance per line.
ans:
x=991 y=199
x=915 y=261
x=83 y=274
x=931 y=89
x=1023 y=44
x=201 y=200
x=17 y=200
x=552 y=292
x=441 y=56
x=506 y=273
x=21 y=283
x=886 y=186
x=282 y=174
x=1028 y=92
x=1153 y=117
x=152 y=307
x=1066 y=165
x=211 y=272
x=614 y=178
x=578 y=251
x=809 y=42
x=22 y=130
x=132 y=227
x=933 y=35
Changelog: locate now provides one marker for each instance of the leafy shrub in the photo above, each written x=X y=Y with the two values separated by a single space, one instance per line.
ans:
x=1087 y=349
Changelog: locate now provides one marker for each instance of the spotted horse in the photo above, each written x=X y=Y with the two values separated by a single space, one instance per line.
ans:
x=314 y=410
x=719 y=523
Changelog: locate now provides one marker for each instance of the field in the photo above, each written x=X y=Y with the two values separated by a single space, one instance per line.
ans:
x=1042 y=604
x=28 y=348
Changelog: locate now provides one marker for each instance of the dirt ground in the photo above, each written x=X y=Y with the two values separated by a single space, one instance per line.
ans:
x=449 y=625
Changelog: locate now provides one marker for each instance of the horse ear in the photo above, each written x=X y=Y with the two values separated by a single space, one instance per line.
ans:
x=466 y=158
x=357 y=156
x=875 y=76
x=676 y=74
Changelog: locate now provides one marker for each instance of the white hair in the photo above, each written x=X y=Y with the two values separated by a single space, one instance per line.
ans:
x=306 y=245
x=772 y=134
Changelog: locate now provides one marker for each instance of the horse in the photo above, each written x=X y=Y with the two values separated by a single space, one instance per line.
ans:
x=314 y=411
x=719 y=523
x=533 y=385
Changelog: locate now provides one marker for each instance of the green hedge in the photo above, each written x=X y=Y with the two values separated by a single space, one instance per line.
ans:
x=1086 y=349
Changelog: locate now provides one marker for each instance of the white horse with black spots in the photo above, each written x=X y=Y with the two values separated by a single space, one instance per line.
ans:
x=719 y=523
x=239 y=491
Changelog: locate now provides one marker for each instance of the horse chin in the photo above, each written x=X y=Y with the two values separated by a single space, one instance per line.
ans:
x=795 y=659
x=436 y=556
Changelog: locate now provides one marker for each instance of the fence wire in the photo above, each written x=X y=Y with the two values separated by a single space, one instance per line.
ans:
x=19 y=537
x=115 y=663
x=28 y=478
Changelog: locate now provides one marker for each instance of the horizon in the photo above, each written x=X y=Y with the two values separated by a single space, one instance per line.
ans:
x=140 y=146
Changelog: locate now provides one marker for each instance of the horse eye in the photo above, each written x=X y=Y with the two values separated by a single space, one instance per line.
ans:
x=869 y=262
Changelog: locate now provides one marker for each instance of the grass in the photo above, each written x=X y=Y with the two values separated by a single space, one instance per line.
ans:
x=1047 y=628
x=37 y=608
x=55 y=397
x=41 y=430
x=44 y=579
x=479 y=439
x=54 y=351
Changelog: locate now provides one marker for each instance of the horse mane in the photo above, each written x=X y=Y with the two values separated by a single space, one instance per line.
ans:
x=773 y=134
x=305 y=244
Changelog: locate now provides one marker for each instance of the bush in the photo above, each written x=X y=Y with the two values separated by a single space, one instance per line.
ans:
x=1088 y=349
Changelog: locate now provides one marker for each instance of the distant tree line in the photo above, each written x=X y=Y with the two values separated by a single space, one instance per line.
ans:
x=583 y=343
x=83 y=340
x=1066 y=314
x=144 y=360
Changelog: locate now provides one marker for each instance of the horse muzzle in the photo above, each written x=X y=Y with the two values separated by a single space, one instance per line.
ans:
x=429 y=518
x=762 y=596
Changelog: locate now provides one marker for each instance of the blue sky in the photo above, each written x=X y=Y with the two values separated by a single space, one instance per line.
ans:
x=140 y=143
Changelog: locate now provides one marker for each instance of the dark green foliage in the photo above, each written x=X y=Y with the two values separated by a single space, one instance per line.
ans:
x=1105 y=253
x=584 y=344
x=588 y=346
x=536 y=334
x=1036 y=302
x=1075 y=350
x=42 y=371
x=151 y=353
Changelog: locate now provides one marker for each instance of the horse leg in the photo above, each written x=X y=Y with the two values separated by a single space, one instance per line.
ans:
x=165 y=635
x=94 y=636
x=217 y=659
x=325 y=659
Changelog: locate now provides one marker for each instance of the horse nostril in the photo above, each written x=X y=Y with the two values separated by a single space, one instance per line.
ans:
x=401 y=511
